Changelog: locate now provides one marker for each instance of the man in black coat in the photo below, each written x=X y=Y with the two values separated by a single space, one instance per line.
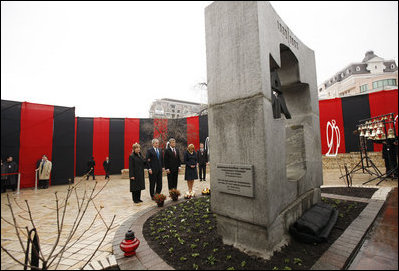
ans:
x=389 y=153
x=107 y=167
x=12 y=180
x=202 y=160
x=90 y=168
x=172 y=163
x=155 y=165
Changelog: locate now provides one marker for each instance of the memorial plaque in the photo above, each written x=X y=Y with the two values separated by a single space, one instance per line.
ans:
x=235 y=179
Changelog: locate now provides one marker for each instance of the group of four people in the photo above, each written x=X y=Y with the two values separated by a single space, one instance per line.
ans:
x=157 y=161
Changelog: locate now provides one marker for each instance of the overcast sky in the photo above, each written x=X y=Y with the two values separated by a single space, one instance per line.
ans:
x=112 y=59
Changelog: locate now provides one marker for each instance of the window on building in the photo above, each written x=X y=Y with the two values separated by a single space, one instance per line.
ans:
x=363 y=88
x=392 y=66
x=358 y=69
x=383 y=83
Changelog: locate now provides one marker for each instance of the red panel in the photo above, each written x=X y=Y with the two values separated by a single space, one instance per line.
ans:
x=193 y=131
x=74 y=161
x=132 y=135
x=100 y=143
x=331 y=112
x=381 y=103
x=161 y=131
x=36 y=139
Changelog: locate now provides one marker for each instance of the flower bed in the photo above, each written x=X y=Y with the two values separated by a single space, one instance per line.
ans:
x=185 y=236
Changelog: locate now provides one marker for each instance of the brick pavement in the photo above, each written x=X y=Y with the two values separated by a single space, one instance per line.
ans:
x=116 y=199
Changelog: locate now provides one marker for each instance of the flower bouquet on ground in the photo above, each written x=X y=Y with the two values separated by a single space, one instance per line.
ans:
x=159 y=199
x=206 y=191
x=188 y=195
x=174 y=194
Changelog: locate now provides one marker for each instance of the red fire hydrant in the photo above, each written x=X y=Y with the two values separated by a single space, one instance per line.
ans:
x=130 y=244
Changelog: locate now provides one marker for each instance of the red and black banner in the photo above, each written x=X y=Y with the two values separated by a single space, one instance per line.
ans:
x=339 y=119
x=132 y=136
x=116 y=145
x=63 y=145
x=203 y=128
x=30 y=130
x=100 y=143
x=36 y=139
x=84 y=144
x=10 y=129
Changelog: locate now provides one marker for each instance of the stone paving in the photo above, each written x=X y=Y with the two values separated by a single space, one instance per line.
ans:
x=116 y=200
x=380 y=248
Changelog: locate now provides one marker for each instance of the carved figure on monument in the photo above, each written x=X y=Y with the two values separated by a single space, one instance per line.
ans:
x=278 y=102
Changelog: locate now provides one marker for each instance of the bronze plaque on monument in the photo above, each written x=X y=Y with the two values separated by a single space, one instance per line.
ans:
x=235 y=179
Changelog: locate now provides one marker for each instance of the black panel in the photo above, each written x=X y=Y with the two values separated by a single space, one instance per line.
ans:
x=203 y=128
x=116 y=144
x=84 y=144
x=146 y=134
x=177 y=128
x=10 y=129
x=63 y=145
x=354 y=108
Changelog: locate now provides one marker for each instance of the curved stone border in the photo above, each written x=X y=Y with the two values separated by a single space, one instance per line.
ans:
x=145 y=258
x=335 y=258
x=346 y=246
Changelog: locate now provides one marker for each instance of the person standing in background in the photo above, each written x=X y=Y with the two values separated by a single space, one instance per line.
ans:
x=202 y=162
x=44 y=170
x=12 y=180
x=107 y=167
x=90 y=168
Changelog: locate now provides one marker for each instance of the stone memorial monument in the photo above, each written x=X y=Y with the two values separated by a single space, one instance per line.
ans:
x=263 y=113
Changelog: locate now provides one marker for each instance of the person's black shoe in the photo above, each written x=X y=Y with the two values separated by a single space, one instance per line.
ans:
x=204 y=180
x=140 y=200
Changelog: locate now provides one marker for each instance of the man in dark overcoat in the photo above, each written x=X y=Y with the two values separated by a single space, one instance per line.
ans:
x=155 y=164
x=90 y=168
x=172 y=163
x=12 y=180
x=202 y=161
x=107 y=167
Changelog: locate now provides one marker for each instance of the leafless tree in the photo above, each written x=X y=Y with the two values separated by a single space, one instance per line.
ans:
x=65 y=239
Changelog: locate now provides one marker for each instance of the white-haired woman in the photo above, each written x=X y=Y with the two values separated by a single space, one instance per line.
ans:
x=191 y=174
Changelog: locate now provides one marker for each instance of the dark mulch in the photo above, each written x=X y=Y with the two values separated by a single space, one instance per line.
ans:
x=185 y=236
x=360 y=192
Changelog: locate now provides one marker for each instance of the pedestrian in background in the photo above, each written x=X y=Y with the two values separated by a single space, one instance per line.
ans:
x=12 y=180
x=202 y=162
x=107 y=167
x=90 y=168
x=44 y=170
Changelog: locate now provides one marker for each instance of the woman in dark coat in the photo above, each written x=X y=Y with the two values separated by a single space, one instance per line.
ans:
x=136 y=173
x=191 y=174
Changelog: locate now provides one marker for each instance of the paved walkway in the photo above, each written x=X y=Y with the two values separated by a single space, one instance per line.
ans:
x=380 y=248
x=116 y=200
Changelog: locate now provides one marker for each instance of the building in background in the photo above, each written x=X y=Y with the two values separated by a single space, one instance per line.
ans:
x=173 y=109
x=372 y=74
